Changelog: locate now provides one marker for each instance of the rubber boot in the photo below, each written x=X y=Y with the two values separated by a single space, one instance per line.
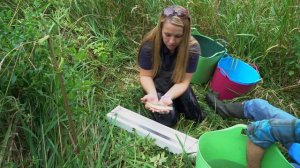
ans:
x=225 y=110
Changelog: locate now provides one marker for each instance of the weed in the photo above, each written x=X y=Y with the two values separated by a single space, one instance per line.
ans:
x=95 y=43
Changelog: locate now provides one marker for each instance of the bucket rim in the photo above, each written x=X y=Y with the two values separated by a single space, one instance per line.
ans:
x=274 y=148
x=201 y=35
x=221 y=53
x=239 y=82
x=243 y=62
x=200 y=156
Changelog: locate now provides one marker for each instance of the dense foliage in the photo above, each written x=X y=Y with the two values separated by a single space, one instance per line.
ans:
x=95 y=43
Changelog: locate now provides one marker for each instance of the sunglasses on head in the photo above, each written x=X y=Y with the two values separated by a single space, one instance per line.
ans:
x=176 y=11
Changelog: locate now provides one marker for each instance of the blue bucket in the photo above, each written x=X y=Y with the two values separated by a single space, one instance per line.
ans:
x=238 y=71
x=233 y=78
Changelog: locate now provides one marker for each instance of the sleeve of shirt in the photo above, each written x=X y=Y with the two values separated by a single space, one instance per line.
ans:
x=145 y=56
x=194 y=53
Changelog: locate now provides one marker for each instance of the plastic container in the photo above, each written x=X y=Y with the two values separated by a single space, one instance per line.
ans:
x=211 y=52
x=233 y=77
x=227 y=148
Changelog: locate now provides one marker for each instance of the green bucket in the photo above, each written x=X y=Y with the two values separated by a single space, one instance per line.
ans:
x=211 y=52
x=227 y=148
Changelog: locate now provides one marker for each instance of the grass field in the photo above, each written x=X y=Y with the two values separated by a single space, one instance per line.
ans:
x=95 y=43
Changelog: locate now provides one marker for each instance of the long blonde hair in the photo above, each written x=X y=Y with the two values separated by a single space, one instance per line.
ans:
x=155 y=36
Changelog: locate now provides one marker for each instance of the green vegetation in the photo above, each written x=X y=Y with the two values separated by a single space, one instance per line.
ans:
x=95 y=43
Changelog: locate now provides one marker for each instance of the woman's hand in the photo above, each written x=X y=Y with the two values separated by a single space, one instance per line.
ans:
x=150 y=99
x=166 y=103
x=163 y=106
x=165 y=100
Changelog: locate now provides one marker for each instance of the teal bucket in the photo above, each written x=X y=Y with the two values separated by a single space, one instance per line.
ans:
x=211 y=52
x=226 y=148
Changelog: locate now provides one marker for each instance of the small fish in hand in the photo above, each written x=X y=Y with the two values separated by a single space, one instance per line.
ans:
x=159 y=106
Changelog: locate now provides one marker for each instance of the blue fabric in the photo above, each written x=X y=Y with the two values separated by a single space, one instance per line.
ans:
x=259 y=109
x=266 y=132
x=294 y=152
x=295 y=165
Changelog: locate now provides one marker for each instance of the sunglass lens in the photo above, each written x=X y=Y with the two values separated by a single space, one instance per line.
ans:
x=169 y=11
x=181 y=12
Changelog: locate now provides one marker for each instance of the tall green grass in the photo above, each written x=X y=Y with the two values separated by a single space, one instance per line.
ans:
x=96 y=43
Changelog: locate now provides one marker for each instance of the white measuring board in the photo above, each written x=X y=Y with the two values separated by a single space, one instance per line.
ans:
x=165 y=137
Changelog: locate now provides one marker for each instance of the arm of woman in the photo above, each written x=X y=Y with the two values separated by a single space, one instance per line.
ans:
x=146 y=79
x=147 y=82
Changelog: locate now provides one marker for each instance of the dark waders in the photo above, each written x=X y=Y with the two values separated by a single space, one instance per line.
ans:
x=186 y=103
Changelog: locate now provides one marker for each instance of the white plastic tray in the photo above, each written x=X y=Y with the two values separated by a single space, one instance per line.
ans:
x=165 y=137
